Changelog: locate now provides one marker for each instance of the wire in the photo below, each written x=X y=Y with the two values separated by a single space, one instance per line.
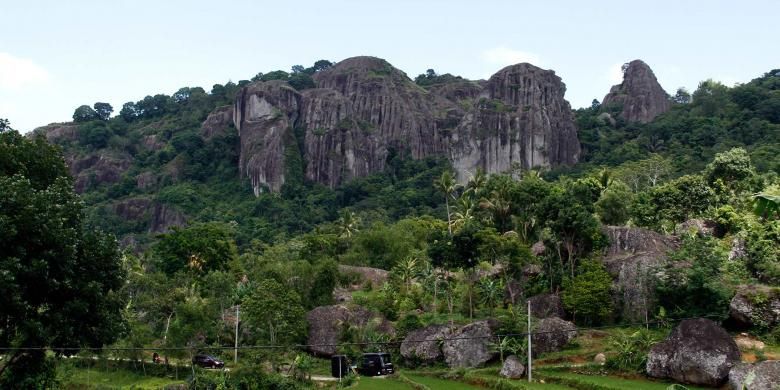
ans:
x=365 y=343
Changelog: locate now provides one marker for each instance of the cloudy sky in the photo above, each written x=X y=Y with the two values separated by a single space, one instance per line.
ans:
x=57 y=55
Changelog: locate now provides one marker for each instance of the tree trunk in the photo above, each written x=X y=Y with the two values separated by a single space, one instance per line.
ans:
x=167 y=326
x=447 y=203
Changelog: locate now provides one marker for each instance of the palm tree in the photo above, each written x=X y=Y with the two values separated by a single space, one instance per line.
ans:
x=491 y=293
x=477 y=182
x=348 y=224
x=464 y=212
x=447 y=185
x=500 y=205
x=767 y=205
x=407 y=271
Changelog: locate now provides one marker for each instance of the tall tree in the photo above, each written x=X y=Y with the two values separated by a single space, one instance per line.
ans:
x=447 y=185
x=59 y=281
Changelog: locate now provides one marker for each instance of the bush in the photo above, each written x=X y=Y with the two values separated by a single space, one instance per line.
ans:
x=630 y=350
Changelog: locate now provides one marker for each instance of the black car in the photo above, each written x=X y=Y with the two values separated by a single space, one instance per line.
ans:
x=373 y=364
x=207 y=361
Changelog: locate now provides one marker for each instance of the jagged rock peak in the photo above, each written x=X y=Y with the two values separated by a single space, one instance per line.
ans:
x=641 y=96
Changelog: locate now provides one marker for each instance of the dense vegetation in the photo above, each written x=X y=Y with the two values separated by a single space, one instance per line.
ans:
x=452 y=250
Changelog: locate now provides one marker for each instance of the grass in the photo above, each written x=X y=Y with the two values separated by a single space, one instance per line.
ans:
x=370 y=383
x=119 y=379
x=604 y=382
x=439 y=384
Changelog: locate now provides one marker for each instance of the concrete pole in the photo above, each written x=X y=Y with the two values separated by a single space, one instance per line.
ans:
x=235 y=351
x=529 y=340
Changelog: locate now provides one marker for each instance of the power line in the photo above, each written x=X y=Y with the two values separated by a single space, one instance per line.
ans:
x=364 y=343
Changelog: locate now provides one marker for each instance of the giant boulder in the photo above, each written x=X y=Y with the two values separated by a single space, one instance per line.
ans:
x=632 y=257
x=697 y=352
x=552 y=334
x=757 y=376
x=424 y=345
x=756 y=306
x=512 y=368
x=469 y=346
x=546 y=305
x=326 y=324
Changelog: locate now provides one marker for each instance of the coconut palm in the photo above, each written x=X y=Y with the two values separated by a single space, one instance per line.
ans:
x=347 y=224
x=447 y=185
x=464 y=212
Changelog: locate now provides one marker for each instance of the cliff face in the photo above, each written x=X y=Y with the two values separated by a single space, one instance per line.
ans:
x=521 y=119
x=363 y=108
x=641 y=96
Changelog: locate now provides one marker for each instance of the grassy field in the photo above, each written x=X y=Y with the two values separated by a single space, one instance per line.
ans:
x=369 y=383
x=82 y=378
x=610 y=382
x=436 y=383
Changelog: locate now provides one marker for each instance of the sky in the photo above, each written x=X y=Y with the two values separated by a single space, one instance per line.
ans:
x=58 y=55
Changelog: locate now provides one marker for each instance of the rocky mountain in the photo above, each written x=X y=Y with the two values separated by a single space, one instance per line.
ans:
x=364 y=110
x=640 y=97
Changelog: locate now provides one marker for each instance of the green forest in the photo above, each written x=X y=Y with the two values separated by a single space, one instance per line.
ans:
x=76 y=274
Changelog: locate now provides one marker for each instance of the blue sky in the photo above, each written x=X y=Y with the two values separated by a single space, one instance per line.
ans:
x=57 y=55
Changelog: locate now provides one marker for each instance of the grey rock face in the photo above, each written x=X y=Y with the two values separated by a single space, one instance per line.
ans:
x=217 y=123
x=699 y=226
x=376 y=276
x=326 y=324
x=513 y=368
x=102 y=167
x=631 y=258
x=757 y=376
x=363 y=109
x=641 y=96
x=697 y=352
x=547 y=305
x=165 y=217
x=520 y=120
x=552 y=334
x=264 y=114
x=422 y=345
x=756 y=306
x=469 y=346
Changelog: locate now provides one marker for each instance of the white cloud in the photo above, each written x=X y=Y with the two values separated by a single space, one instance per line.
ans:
x=17 y=72
x=503 y=56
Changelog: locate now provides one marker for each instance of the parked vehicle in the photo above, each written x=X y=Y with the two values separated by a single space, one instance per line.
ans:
x=373 y=364
x=207 y=361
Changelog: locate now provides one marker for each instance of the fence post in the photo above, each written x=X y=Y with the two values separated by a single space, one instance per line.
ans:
x=235 y=351
x=529 y=340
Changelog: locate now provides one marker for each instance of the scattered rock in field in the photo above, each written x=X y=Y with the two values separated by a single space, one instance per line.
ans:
x=755 y=376
x=552 y=334
x=469 y=346
x=600 y=358
x=698 y=352
x=513 y=368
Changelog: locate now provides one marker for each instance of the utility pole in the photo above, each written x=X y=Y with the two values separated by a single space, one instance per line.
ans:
x=529 y=340
x=235 y=351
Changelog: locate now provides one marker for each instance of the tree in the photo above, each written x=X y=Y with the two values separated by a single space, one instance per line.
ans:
x=447 y=185
x=587 y=296
x=682 y=96
x=103 y=110
x=595 y=105
x=275 y=313
x=129 y=112
x=347 y=224
x=731 y=167
x=199 y=248
x=326 y=276
x=5 y=125
x=59 y=281
x=84 y=114
x=613 y=205
x=321 y=65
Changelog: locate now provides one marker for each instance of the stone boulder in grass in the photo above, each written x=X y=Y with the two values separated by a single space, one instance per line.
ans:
x=552 y=334
x=513 y=368
x=697 y=352
x=327 y=323
x=424 y=345
x=756 y=376
x=469 y=346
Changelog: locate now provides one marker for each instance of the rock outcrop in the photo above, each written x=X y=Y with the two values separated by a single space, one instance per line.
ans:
x=94 y=169
x=631 y=258
x=424 y=345
x=552 y=334
x=640 y=96
x=520 y=120
x=364 y=111
x=697 y=352
x=326 y=324
x=217 y=123
x=513 y=368
x=469 y=346
x=165 y=217
x=756 y=306
x=377 y=277
x=757 y=376
x=264 y=114
x=546 y=305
